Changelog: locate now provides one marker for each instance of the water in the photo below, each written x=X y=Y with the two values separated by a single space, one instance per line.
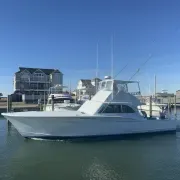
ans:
x=142 y=158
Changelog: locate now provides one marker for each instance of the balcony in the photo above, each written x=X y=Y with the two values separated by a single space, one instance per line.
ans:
x=40 y=79
x=34 y=79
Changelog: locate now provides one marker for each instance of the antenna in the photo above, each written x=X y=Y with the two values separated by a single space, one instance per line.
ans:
x=97 y=66
x=112 y=60
x=70 y=86
x=155 y=86
x=149 y=89
x=97 y=60
x=112 y=56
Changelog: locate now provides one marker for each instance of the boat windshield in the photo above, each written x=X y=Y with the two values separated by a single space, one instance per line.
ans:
x=119 y=85
x=109 y=85
x=61 y=100
x=106 y=85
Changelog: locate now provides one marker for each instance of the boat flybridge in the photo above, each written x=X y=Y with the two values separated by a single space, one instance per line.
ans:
x=112 y=111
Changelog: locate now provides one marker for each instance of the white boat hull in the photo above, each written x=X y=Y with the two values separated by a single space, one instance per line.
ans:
x=156 y=110
x=74 y=127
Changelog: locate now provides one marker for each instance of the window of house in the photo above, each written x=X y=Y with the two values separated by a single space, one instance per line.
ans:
x=39 y=74
x=25 y=77
x=41 y=86
x=34 y=86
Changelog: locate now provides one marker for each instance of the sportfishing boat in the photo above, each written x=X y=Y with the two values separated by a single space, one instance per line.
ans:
x=112 y=111
x=152 y=106
x=61 y=102
x=159 y=111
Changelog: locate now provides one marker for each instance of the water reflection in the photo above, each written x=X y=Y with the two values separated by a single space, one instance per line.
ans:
x=145 y=157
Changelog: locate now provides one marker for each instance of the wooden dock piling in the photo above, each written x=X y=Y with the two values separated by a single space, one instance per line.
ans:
x=9 y=103
x=150 y=107
x=9 y=106
x=52 y=102
x=175 y=110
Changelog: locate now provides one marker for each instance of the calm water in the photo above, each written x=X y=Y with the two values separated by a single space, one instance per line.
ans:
x=143 y=158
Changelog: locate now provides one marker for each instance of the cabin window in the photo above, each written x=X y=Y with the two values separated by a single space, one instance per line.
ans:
x=127 y=109
x=116 y=109
x=109 y=109
x=108 y=85
x=99 y=87
x=103 y=85
x=122 y=87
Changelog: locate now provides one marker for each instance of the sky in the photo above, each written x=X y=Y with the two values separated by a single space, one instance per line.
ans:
x=63 y=34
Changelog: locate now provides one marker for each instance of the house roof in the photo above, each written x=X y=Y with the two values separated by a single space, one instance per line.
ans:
x=32 y=70
x=86 y=82
x=96 y=79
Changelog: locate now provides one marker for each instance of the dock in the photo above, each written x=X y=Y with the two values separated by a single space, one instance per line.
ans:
x=19 y=107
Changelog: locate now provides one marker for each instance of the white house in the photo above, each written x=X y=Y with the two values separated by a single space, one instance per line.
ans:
x=87 y=87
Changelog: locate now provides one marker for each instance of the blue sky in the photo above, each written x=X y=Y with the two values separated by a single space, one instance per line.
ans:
x=63 y=34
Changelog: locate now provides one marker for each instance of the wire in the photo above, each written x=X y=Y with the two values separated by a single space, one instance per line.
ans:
x=141 y=67
x=120 y=71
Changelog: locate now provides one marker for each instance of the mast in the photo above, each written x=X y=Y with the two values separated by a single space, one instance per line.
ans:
x=97 y=60
x=155 y=86
x=112 y=56
x=150 y=89
x=112 y=61
x=69 y=86
x=97 y=66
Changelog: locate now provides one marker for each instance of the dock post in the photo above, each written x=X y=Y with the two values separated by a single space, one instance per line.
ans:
x=52 y=102
x=150 y=107
x=44 y=101
x=40 y=104
x=175 y=110
x=9 y=106
x=168 y=108
x=9 y=103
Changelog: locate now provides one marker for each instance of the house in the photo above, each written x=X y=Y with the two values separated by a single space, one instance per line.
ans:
x=95 y=81
x=87 y=87
x=165 y=97
x=178 y=95
x=34 y=83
